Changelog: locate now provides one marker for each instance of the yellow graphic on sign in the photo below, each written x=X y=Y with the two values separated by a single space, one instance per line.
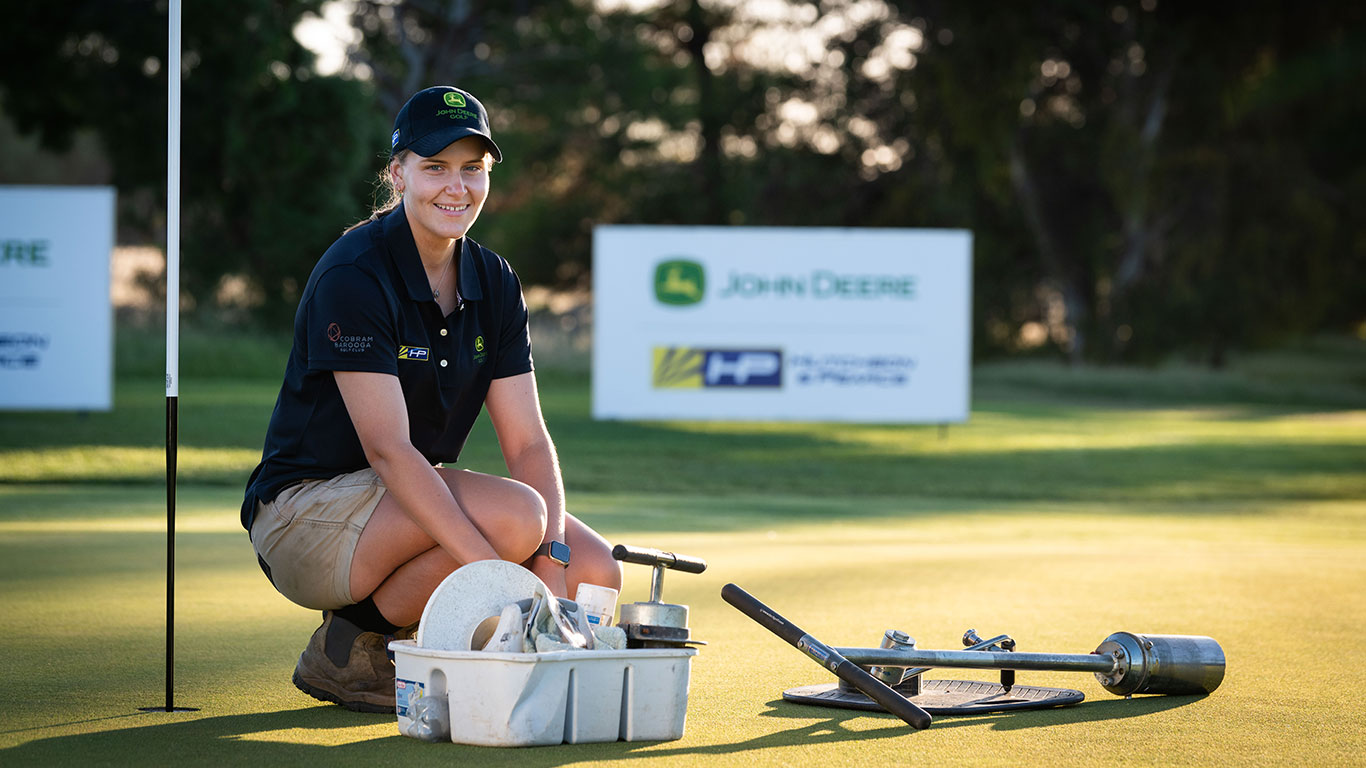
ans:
x=678 y=368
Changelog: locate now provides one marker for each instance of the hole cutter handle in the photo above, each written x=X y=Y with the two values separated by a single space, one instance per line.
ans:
x=827 y=657
x=659 y=560
x=655 y=623
x=646 y=556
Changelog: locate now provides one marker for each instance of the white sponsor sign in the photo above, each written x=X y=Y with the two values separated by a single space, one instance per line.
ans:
x=750 y=323
x=56 y=323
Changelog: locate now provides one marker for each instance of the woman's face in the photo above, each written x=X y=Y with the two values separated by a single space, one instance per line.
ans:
x=444 y=193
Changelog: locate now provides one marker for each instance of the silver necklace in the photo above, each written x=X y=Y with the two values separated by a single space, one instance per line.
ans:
x=436 y=292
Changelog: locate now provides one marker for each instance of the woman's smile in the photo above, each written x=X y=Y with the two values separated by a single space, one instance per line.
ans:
x=444 y=193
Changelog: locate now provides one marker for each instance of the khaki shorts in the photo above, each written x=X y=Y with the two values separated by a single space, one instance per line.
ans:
x=308 y=534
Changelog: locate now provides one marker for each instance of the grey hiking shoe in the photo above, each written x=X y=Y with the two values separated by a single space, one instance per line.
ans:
x=347 y=666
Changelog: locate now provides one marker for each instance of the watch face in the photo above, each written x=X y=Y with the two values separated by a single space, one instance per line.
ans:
x=559 y=552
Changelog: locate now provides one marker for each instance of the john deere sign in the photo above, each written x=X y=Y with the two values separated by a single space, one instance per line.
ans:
x=56 y=323
x=781 y=324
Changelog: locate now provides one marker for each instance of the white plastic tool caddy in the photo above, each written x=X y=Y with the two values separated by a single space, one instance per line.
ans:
x=508 y=699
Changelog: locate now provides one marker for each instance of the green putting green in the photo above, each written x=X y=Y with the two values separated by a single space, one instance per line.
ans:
x=1071 y=506
x=1278 y=585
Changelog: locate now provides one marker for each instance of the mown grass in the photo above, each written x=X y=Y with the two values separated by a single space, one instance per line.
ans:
x=1072 y=504
x=1010 y=449
x=1036 y=431
x=1275 y=582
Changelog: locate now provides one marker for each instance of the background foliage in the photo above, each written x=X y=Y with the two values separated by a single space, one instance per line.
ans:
x=1142 y=178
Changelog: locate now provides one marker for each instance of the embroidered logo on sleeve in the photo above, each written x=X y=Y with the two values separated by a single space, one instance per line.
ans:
x=413 y=353
x=343 y=343
x=479 y=353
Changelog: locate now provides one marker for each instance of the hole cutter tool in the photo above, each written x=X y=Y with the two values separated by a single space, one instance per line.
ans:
x=1125 y=664
x=654 y=623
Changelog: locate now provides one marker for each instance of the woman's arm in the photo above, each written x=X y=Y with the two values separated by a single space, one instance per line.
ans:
x=377 y=409
x=515 y=410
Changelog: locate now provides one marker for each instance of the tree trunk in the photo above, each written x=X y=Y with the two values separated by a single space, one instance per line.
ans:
x=710 y=184
x=1076 y=306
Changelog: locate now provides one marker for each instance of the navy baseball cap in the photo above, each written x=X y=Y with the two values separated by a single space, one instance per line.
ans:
x=436 y=117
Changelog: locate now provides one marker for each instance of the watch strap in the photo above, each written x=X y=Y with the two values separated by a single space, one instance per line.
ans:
x=555 y=550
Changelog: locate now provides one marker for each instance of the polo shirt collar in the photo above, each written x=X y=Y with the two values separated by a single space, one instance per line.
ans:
x=398 y=238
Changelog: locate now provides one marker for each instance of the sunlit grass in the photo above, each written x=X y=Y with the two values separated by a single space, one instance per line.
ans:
x=94 y=463
x=1270 y=580
x=997 y=427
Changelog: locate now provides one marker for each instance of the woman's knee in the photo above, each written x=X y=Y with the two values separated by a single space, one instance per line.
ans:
x=526 y=512
x=510 y=514
x=604 y=573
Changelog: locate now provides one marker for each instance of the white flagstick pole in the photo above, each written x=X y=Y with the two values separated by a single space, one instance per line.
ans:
x=173 y=209
x=172 y=331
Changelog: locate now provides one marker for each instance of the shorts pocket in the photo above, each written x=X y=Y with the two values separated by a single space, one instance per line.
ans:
x=280 y=508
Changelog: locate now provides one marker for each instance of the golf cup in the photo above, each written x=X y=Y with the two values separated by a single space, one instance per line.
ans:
x=598 y=603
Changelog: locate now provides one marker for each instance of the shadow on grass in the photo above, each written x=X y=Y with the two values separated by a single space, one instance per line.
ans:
x=665 y=459
x=660 y=461
x=832 y=729
x=822 y=461
x=86 y=721
x=302 y=736
x=1086 y=712
x=1015 y=720
x=306 y=736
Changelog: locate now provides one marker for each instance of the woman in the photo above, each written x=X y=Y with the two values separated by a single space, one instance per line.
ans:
x=405 y=330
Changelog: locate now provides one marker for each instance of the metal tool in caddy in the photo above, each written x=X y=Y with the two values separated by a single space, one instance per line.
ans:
x=654 y=623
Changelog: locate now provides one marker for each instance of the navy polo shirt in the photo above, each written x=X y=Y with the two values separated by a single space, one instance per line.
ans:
x=368 y=307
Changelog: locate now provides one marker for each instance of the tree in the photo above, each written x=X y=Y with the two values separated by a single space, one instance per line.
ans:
x=1141 y=176
x=1163 y=160
x=274 y=158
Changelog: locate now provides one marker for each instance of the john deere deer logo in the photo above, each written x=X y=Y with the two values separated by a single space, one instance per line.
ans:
x=680 y=282
x=454 y=99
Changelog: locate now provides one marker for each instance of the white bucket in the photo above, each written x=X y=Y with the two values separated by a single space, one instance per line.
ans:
x=535 y=699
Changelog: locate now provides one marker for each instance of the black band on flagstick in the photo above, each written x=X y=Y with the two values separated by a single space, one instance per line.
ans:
x=172 y=443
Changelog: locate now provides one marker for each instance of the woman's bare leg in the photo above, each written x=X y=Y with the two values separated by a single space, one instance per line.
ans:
x=398 y=565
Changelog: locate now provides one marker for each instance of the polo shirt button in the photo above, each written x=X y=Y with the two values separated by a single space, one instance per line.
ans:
x=443 y=363
x=443 y=331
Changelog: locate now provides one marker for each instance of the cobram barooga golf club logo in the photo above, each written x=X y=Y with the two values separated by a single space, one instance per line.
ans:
x=454 y=100
x=680 y=282
x=693 y=368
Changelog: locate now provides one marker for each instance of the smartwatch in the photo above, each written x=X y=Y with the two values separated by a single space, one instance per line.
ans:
x=555 y=550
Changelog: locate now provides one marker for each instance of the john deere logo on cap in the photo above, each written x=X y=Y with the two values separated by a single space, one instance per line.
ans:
x=679 y=282
x=454 y=100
